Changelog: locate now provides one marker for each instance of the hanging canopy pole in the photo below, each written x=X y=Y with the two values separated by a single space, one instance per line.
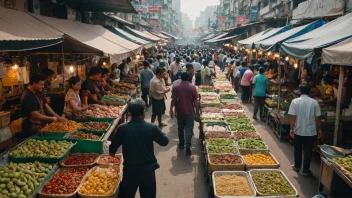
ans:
x=63 y=65
x=279 y=92
x=338 y=104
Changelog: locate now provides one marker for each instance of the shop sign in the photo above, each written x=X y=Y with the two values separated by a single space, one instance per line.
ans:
x=154 y=9
x=254 y=13
x=154 y=23
x=140 y=8
x=221 y=20
x=176 y=29
x=241 y=19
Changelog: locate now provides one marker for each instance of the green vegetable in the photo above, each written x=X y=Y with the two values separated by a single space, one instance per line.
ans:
x=251 y=144
x=222 y=149
x=220 y=142
x=272 y=183
x=230 y=120
x=344 y=162
x=112 y=98
x=242 y=127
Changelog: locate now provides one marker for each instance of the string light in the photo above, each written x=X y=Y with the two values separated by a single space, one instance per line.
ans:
x=254 y=50
x=295 y=65
x=104 y=63
x=269 y=53
x=138 y=56
x=287 y=58
x=260 y=52
x=71 y=69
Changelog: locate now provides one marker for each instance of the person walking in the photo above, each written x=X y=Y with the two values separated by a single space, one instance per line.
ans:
x=304 y=124
x=246 y=80
x=197 y=69
x=136 y=138
x=158 y=91
x=146 y=76
x=236 y=75
x=185 y=100
x=261 y=83
x=175 y=67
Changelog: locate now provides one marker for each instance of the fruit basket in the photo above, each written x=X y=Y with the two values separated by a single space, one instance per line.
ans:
x=102 y=161
x=216 y=162
x=55 y=178
x=222 y=149
x=245 y=135
x=216 y=127
x=234 y=127
x=257 y=156
x=84 y=135
x=87 y=179
x=250 y=185
x=70 y=159
x=274 y=178
x=55 y=159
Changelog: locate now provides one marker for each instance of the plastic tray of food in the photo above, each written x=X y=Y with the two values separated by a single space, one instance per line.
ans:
x=238 y=173
x=225 y=167
x=100 y=160
x=112 y=195
x=69 y=136
x=259 y=166
x=274 y=170
x=246 y=149
x=71 y=195
x=95 y=131
x=232 y=130
x=62 y=162
x=40 y=159
x=236 y=134
x=220 y=147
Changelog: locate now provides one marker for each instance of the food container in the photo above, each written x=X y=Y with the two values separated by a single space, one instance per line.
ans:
x=95 y=131
x=113 y=195
x=238 y=173
x=72 y=195
x=234 y=130
x=259 y=166
x=276 y=196
x=235 y=134
x=245 y=149
x=225 y=167
x=62 y=162
x=100 y=160
x=68 y=135
x=235 y=147
x=5 y=118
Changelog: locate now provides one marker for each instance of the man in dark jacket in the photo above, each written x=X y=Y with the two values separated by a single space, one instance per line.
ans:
x=136 y=138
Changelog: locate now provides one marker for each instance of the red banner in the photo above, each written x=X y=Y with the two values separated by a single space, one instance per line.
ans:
x=175 y=29
x=221 y=20
x=241 y=19
x=156 y=9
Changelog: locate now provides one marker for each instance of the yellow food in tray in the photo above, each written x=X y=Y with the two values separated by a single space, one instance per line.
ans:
x=68 y=126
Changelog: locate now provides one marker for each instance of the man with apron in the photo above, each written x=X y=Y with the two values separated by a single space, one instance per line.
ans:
x=34 y=107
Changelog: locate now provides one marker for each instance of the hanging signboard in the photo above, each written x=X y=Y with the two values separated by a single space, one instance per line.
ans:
x=254 y=13
x=221 y=20
x=141 y=8
x=154 y=23
x=176 y=29
x=241 y=19
x=155 y=9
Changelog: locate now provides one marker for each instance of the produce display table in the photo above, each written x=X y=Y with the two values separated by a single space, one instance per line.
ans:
x=335 y=182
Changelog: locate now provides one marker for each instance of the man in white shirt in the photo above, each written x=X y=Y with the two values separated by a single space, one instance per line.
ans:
x=304 y=124
x=172 y=56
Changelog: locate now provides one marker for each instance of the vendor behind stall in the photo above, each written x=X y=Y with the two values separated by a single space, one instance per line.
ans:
x=104 y=87
x=49 y=75
x=91 y=85
x=73 y=102
x=34 y=108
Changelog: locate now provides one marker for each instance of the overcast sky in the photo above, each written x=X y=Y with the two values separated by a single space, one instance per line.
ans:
x=193 y=7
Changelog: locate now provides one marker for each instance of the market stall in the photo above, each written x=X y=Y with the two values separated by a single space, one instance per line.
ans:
x=238 y=162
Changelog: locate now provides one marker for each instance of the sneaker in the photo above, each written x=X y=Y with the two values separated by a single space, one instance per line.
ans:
x=294 y=168
x=309 y=173
x=188 y=151
x=180 y=146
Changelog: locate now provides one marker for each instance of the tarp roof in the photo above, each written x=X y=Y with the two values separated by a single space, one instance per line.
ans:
x=215 y=38
x=248 y=43
x=130 y=37
x=169 y=35
x=239 y=36
x=99 y=5
x=212 y=35
x=95 y=36
x=118 y=19
x=305 y=47
x=160 y=35
x=19 y=31
x=141 y=34
x=273 y=43
x=339 y=54
x=151 y=35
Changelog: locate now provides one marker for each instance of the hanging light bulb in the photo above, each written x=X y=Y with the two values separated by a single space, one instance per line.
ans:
x=138 y=56
x=104 y=63
x=287 y=58
x=254 y=50
x=260 y=52
x=15 y=66
x=269 y=53
x=71 y=69
x=295 y=65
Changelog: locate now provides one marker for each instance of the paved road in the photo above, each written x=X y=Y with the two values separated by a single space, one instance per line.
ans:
x=182 y=176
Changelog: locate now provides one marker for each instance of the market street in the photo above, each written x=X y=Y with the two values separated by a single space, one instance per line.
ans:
x=183 y=176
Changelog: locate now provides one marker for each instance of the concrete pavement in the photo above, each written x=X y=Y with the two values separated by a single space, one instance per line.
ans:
x=182 y=176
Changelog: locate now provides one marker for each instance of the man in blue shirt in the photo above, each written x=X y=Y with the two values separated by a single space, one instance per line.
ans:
x=146 y=75
x=243 y=69
x=260 y=82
